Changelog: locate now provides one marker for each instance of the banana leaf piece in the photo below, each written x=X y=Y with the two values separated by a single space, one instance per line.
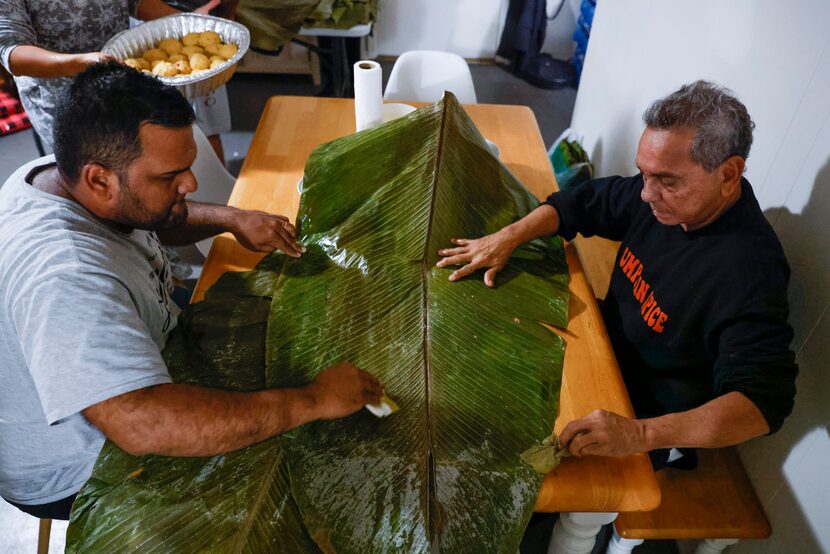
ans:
x=546 y=456
x=273 y=23
x=342 y=14
x=475 y=374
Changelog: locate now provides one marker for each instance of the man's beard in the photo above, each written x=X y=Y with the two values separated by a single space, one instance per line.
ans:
x=134 y=213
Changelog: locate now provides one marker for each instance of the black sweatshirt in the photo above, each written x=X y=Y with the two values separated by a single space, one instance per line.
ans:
x=691 y=315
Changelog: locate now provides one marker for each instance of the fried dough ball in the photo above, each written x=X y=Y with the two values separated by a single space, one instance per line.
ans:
x=182 y=66
x=195 y=53
x=137 y=63
x=199 y=61
x=165 y=69
x=209 y=37
x=213 y=49
x=193 y=49
x=154 y=54
x=191 y=39
x=171 y=46
x=228 y=51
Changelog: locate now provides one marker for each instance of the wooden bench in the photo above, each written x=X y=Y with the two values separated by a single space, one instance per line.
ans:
x=714 y=503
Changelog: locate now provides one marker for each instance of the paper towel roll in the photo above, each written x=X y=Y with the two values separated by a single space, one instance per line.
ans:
x=368 y=94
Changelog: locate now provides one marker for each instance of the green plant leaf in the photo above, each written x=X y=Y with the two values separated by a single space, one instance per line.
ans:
x=273 y=23
x=546 y=456
x=475 y=374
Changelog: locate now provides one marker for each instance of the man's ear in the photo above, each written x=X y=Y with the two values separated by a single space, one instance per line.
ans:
x=731 y=171
x=99 y=182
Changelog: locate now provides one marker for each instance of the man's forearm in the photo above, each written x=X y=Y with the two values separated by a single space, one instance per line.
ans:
x=33 y=61
x=255 y=230
x=187 y=420
x=541 y=222
x=725 y=421
x=203 y=221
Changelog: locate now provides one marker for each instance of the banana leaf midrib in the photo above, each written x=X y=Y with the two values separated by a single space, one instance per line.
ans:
x=425 y=299
x=254 y=512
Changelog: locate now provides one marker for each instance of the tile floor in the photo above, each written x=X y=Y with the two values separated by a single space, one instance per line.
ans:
x=248 y=94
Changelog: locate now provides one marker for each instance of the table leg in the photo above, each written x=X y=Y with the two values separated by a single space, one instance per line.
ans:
x=341 y=62
x=576 y=532
x=714 y=546
x=325 y=58
x=336 y=69
x=621 y=545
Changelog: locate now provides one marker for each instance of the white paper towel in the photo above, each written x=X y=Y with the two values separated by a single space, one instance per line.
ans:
x=368 y=94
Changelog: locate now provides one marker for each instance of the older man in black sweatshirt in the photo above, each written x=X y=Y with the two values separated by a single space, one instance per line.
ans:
x=697 y=308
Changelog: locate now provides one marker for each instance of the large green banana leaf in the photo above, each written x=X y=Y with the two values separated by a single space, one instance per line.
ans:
x=475 y=374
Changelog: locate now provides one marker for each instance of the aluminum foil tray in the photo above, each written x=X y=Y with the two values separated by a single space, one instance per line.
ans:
x=132 y=43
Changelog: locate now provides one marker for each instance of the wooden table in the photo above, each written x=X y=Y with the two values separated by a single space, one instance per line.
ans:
x=288 y=131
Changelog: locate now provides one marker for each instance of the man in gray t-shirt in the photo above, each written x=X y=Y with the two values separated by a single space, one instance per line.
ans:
x=85 y=306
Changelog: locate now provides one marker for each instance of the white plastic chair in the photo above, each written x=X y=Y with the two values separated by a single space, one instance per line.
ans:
x=215 y=183
x=424 y=75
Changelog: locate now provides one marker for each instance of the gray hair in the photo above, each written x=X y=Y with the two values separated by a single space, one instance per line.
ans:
x=724 y=128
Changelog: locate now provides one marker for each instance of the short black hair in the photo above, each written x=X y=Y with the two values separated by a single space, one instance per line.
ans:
x=99 y=117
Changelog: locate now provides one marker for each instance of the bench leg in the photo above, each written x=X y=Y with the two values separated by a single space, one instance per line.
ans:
x=620 y=545
x=714 y=546
x=43 y=533
x=576 y=532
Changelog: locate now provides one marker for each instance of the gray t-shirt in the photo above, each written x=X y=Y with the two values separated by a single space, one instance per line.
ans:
x=84 y=313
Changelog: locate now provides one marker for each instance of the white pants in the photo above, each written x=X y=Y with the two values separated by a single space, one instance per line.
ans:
x=213 y=113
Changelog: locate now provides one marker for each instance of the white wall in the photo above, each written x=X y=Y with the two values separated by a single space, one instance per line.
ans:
x=469 y=28
x=776 y=57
